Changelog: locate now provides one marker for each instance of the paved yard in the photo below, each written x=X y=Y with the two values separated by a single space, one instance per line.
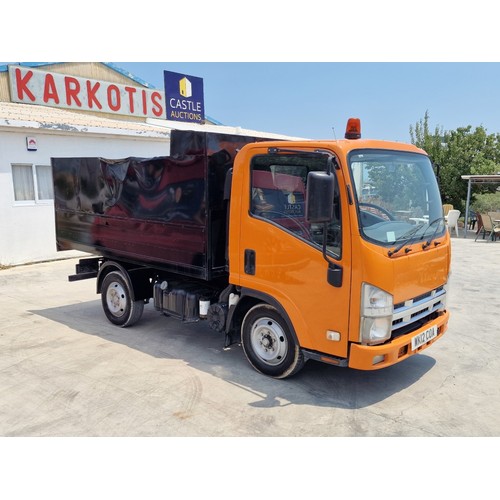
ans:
x=66 y=371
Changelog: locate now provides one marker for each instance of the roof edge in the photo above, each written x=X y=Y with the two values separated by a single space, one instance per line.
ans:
x=114 y=67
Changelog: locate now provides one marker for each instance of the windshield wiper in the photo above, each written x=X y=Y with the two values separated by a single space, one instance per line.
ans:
x=407 y=239
x=429 y=241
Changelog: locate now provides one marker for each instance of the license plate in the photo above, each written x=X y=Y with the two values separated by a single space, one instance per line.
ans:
x=424 y=337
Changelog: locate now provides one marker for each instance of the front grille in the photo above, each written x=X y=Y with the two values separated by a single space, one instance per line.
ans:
x=414 y=313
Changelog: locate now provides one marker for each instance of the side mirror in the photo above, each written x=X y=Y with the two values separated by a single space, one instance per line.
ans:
x=320 y=191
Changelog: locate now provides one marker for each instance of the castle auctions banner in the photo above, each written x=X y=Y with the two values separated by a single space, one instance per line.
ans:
x=184 y=99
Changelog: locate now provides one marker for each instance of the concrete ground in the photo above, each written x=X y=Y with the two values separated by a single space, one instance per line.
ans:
x=66 y=371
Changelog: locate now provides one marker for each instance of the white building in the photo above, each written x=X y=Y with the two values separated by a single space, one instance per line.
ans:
x=69 y=109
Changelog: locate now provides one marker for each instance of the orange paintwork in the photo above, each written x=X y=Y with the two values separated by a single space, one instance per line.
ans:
x=294 y=273
x=362 y=356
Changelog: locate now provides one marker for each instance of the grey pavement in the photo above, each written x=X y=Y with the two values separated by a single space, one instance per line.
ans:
x=66 y=371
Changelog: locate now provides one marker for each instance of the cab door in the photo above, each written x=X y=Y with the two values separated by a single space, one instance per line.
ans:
x=276 y=254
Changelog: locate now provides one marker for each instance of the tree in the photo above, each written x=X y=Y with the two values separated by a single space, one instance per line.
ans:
x=463 y=151
x=432 y=144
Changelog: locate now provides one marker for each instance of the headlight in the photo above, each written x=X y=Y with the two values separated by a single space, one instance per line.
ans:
x=376 y=315
x=444 y=297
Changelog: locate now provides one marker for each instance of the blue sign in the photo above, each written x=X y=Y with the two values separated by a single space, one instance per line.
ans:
x=184 y=97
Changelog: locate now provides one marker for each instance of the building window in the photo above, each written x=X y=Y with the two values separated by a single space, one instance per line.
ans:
x=32 y=183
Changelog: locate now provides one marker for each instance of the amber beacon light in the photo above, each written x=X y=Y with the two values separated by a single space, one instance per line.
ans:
x=353 y=129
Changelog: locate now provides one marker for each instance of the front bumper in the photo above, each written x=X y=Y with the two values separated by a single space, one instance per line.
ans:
x=366 y=357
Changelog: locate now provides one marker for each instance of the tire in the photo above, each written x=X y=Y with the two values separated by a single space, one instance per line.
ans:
x=116 y=298
x=268 y=343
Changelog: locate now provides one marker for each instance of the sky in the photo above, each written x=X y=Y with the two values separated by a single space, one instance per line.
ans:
x=302 y=70
x=314 y=99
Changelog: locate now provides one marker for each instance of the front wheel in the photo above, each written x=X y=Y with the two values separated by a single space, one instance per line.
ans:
x=116 y=298
x=268 y=344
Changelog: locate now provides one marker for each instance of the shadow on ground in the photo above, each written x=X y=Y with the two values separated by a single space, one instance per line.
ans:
x=317 y=384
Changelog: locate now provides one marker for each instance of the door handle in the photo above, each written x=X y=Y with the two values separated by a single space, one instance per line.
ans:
x=249 y=261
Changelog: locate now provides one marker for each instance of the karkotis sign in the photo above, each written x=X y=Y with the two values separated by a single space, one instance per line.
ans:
x=47 y=88
x=184 y=97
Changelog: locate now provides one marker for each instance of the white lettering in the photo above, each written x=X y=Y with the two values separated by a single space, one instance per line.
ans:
x=185 y=115
x=184 y=104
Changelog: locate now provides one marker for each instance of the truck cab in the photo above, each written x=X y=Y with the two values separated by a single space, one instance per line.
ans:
x=361 y=284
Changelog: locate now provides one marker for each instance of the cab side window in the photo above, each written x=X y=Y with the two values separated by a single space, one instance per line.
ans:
x=278 y=194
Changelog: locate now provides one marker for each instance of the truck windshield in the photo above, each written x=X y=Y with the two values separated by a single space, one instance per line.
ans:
x=397 y=196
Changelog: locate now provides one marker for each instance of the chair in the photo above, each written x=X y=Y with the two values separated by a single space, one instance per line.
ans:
x=452 y=220
x=472 y=220
x=495 y=224
x=479 y=224
x=494 y=216
x=488 y=228
x=446 y=209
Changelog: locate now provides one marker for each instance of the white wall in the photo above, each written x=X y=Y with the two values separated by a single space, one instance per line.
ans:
x=27 y=232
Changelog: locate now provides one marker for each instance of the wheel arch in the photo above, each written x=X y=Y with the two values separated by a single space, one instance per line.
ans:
x=110 y=266
x=250 y=298
x=139 y=279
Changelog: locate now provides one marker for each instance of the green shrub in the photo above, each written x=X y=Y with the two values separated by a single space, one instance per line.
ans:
x=488 y=202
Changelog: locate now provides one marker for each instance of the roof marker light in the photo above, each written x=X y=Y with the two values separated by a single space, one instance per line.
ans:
x=353 y=129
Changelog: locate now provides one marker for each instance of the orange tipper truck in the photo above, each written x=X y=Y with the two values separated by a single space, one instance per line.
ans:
x=335 y=251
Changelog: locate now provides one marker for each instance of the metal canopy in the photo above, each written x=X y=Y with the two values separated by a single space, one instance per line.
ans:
x=476 y=179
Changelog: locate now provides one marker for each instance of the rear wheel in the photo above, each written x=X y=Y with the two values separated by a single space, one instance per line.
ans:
x=116 y=298
x=268 y=343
